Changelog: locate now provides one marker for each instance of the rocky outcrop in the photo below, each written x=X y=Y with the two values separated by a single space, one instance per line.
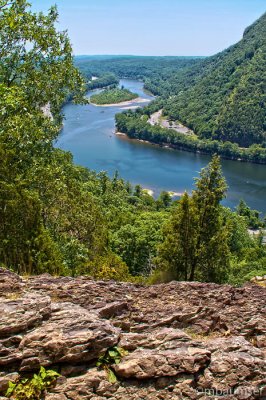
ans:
x=184 y=340
x=9 y=282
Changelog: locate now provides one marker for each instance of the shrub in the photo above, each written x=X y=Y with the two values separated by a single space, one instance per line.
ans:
x=32 y=389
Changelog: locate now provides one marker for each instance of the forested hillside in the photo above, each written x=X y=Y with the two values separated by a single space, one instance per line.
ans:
x=225 y=97
x=134 y=67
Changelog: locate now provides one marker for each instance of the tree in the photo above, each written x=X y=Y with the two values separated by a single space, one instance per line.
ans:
x=25 y=244
x=252 y=216
x=136 y=242
x=137 y=191
x=37 y=69
x=212 y=253
x=109 y=266
x=176 y=252
x=35 y=56
x=196 y=238
x=164 y=200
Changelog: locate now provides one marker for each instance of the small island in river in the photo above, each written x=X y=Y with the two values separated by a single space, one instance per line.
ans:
x=113 y=96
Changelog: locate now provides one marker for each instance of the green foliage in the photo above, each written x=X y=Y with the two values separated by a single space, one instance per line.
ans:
x=25 y=243
x=34 y=388
x=35 y=56
x=196 y=237
x=248 y=254
x=109 y=266
x=113 y=355
x=243 y=271
x=137 y=242
x=252 y=216
x=220 y=98
x=113 y=96
x=164 y=200
x=240 y=240
x=208 y=242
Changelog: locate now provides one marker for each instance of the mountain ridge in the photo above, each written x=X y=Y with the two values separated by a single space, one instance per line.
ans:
x=225 y=98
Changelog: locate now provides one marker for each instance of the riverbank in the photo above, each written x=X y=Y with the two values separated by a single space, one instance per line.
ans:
x=138 y=100
x=183 y=147
x=137 y=128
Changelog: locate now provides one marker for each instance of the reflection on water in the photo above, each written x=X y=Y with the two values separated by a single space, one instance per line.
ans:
x=89 y=134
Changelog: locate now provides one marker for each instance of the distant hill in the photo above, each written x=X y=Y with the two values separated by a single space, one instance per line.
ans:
x=220 y=97
x=134 y=67
x=223 y=97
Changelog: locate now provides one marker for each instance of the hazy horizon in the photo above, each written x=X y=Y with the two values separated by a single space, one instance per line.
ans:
x=154 y=27
x=136 y=55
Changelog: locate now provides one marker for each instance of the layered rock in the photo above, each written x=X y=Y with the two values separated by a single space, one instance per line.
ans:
x=184 y=340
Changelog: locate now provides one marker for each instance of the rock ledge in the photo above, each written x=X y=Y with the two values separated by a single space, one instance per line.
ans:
x=184 y=340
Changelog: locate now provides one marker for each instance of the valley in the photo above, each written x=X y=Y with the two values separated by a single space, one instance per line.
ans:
x=88 y=133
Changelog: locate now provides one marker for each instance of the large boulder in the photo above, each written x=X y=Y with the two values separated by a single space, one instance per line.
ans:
x=9 y=282
x=71 y=335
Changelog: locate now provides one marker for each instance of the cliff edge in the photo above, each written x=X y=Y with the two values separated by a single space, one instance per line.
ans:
x=184 y=340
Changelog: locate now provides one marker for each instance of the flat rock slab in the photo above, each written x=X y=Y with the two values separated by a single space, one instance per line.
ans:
x=155 y=364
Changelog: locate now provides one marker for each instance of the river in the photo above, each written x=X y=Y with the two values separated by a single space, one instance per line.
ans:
x=88 y=133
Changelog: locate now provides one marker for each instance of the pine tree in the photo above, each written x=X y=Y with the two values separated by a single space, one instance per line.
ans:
x=211 y=255
x=178 y=247
x=196 y=238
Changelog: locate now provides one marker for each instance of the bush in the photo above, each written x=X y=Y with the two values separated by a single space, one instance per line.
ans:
x=32 y=389
x=107 y=267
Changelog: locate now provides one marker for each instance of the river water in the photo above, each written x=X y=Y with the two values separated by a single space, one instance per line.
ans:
x=88 y=133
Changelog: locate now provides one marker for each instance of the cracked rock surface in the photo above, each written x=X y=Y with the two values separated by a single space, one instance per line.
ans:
x=185 y=340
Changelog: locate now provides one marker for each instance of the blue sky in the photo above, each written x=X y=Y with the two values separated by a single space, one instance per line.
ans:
x=154 y=27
